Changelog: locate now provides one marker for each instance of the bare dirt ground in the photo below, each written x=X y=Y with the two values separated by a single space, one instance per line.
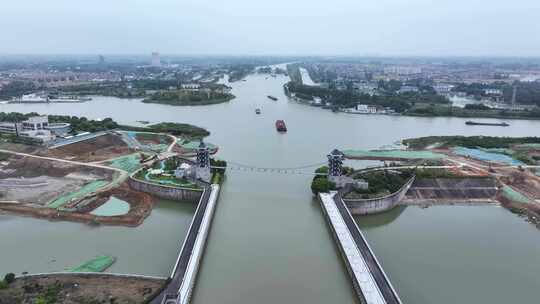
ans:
x=93 y=150
x=18 y=147
x=151 y=138
x=37 y=181
x=141 y=205
x=81 y=289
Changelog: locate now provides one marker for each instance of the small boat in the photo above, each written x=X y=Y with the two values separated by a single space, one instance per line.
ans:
x=272 y=97
x=280 y=126
x=473 y=123
x=257 y=111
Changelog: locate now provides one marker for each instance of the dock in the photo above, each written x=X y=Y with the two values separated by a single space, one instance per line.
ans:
x=369 y=281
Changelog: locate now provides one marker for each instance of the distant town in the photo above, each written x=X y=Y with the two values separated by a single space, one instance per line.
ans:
x=463 y=87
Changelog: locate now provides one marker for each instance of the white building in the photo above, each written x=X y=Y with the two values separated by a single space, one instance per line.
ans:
x=362 y=109
x=36 y=127
x=184 y=171
x=494 y=92
x=156 y=60
x=406 y=89
x=443 y=89
x=191 y=86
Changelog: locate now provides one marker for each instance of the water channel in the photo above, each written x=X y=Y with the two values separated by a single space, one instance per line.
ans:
x=269 y=242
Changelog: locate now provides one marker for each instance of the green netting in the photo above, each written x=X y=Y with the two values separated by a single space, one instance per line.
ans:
x=113 y=207
x=193 y=145
x=487 y=156
x=515 y=196
x=66 y=198
x=129 y=163
x=393 y=154
x=528 y=146
x=97 y=264
x=498 y=150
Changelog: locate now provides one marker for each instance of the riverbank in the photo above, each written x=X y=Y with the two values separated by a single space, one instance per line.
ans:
x=439 y=110
x=80 y=288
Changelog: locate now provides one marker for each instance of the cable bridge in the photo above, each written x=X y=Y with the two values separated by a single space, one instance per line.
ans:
x=300 y=170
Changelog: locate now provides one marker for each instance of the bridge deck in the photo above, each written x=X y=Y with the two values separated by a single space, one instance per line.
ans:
x=369 y=279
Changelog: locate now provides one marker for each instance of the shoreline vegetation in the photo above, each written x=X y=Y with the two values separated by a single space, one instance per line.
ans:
x=488 y=142
x=440 y=110
x=189 y=98
x=83 y=124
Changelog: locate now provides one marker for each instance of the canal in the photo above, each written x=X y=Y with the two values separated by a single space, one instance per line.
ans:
x=269 y=242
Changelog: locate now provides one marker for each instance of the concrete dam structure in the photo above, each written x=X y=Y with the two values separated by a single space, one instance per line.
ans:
x=184 y=273
x=369 y=281
x=376 y=205
x=165 y=191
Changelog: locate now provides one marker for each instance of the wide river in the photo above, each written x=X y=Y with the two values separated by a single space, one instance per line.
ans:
x=269 y=242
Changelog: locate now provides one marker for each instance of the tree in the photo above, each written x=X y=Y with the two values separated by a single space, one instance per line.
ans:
x=321 y=184
x=9 y=278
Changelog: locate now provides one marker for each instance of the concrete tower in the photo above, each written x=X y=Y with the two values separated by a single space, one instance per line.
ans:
x=335 y=166
x=203 y=163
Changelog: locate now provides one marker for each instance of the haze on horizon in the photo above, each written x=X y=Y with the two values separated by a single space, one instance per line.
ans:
x=277 y=27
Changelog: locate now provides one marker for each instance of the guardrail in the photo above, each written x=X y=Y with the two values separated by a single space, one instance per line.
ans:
x=375 y=268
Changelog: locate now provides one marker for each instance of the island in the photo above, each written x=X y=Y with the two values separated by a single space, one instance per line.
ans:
x=189 y=97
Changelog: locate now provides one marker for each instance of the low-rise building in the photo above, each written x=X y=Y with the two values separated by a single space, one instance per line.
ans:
x=36 y=127
x=407 y=89
x=493 y=92
x=362 y=109
x=443 y=89
x=191 y=86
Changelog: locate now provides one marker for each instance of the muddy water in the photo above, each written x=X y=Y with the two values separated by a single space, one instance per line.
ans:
x=269 y=242
x=457 y=254
x=36 y=246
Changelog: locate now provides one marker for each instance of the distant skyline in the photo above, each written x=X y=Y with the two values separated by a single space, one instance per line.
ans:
x=278 y=27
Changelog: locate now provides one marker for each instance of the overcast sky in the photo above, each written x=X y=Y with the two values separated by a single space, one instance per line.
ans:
x=259 y=27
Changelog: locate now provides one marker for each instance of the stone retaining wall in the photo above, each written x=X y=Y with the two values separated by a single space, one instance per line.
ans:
x=166 y=192
x=376 y=205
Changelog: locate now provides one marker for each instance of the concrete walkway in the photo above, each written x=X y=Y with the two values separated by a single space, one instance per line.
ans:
x=368 y=279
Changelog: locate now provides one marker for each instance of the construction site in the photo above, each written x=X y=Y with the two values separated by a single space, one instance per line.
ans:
x=82 y=180
x=507 y=176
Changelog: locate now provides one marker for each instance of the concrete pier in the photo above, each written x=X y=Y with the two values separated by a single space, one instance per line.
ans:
x=368 y=278
x=184 y=273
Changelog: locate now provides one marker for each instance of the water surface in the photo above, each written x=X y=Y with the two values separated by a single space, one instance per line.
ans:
x=269 y=242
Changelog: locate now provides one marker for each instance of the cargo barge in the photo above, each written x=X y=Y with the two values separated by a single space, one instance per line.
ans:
x=473 y=123
x=280 y=126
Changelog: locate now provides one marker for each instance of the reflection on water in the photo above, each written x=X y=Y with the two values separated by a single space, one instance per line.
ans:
x=381 y=219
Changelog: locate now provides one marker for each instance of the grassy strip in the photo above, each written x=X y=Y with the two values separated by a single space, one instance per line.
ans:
x=487 y=142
